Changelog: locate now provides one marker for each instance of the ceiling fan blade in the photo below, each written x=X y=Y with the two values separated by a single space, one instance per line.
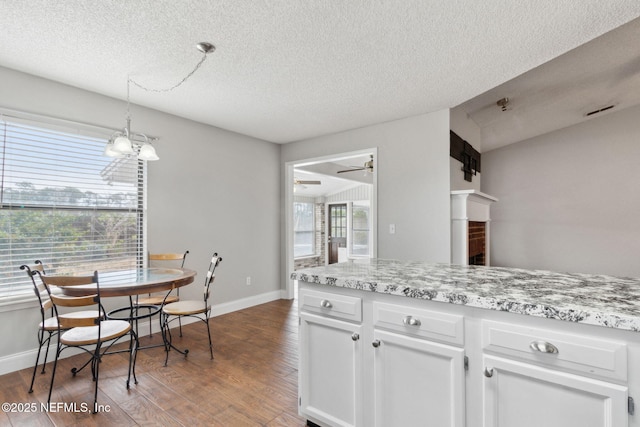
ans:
x=368 y=166
x=297 y=181
x=351 y=170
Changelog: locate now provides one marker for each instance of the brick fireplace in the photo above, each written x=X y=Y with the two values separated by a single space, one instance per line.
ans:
x=477 y=242
x=470 y=227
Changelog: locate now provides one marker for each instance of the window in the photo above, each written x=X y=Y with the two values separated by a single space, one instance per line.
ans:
x=303 y=229
x=338 y=221
x=360 y=229
x=64 y=203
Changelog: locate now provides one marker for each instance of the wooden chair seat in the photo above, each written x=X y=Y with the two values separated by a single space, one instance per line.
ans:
x=86 y=335
x=157 y=300
x=51 y=324
x=185 y=308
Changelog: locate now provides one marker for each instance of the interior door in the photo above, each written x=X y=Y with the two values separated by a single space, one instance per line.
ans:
x=337 y=239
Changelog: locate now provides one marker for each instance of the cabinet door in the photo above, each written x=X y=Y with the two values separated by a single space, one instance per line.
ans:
x=525 y=395
x=330 y=370
x=418 y=382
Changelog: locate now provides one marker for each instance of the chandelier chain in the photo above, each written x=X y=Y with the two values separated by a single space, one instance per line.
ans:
x=169 y=89
x=121 y=144
x=198 y=65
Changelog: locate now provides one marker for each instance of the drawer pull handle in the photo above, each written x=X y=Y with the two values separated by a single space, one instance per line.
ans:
x=488 y=372
x=376 y=343
x=543 y=347
x=355 y=336
x=325 y=303
x=411 y=321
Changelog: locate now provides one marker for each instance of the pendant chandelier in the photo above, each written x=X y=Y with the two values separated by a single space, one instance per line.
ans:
x=127 y=144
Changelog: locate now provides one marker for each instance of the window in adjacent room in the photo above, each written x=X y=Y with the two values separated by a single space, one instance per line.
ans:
x=64 y=203
x=360 y=229
x=303 y=229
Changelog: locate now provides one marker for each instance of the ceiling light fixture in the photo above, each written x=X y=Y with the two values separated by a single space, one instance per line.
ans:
x=503 y=103
x=128 y=144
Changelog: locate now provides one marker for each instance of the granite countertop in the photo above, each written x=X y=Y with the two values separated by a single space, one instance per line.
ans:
x=585 y=298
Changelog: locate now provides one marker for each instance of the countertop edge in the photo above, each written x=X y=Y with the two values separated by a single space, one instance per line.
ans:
x=589 y=317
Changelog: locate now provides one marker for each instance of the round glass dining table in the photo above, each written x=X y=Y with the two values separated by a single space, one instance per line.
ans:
x=134 y=282
x=117 y=283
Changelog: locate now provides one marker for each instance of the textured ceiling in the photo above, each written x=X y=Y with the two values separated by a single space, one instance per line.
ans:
x=560 y=93
x=291 y=69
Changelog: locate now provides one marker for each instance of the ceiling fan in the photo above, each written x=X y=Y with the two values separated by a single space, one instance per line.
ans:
x=368 y=166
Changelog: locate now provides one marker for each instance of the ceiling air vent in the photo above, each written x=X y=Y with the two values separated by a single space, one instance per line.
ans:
x=599 y=110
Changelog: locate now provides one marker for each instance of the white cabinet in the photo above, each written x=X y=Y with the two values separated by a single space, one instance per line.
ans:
x=418 y=367
x=330 y=370
x=417 y=382
x=330 y=375
x=412 y=359
x=564 y=379
x=525 y=395
x=368 y=359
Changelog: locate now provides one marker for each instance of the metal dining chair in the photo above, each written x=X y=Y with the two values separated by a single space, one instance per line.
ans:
x=86 y=332
x=48 y=326
x=157 y=300
x=198 y=309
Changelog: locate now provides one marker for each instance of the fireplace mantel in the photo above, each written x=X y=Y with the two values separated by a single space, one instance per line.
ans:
x=468 y=205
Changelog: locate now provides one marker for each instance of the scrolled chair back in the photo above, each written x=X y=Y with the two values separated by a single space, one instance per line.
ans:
x=38 y=287
x=210 y=277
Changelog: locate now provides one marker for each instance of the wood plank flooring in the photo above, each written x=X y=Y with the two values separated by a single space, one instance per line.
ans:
x=252 y=380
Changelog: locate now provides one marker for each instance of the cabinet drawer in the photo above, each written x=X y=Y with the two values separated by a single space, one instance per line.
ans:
x=335 y=305
x=577 y=353
x=434 y=325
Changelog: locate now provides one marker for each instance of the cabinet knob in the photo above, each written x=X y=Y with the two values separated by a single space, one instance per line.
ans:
x=376 y=343
x=325 y=303
x=543 y=347
x=355 y=336
x=488 y=372
x=411 y=321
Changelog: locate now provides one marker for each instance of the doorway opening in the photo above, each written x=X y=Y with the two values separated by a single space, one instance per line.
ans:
x=330 y=210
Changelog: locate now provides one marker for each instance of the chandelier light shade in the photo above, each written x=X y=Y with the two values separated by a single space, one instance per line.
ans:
x=126 y=144
x=109 y=151
x=147 y=152
x=123 y=145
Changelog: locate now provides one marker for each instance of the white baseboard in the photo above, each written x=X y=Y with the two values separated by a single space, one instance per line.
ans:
x=26 y=359
x=240 y=304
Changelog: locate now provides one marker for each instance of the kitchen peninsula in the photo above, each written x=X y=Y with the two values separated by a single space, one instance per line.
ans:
x=387 y=342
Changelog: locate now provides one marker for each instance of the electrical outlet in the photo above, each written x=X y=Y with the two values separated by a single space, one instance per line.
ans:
x=248 y=280
x=392 y=229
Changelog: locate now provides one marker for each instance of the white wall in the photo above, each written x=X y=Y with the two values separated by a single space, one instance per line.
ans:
x=413 y=181
x=211 y=190
x=570 y=199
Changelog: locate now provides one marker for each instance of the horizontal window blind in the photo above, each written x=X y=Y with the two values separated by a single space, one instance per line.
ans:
x=360 y=228
x=63 y=202
x=303 y=229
